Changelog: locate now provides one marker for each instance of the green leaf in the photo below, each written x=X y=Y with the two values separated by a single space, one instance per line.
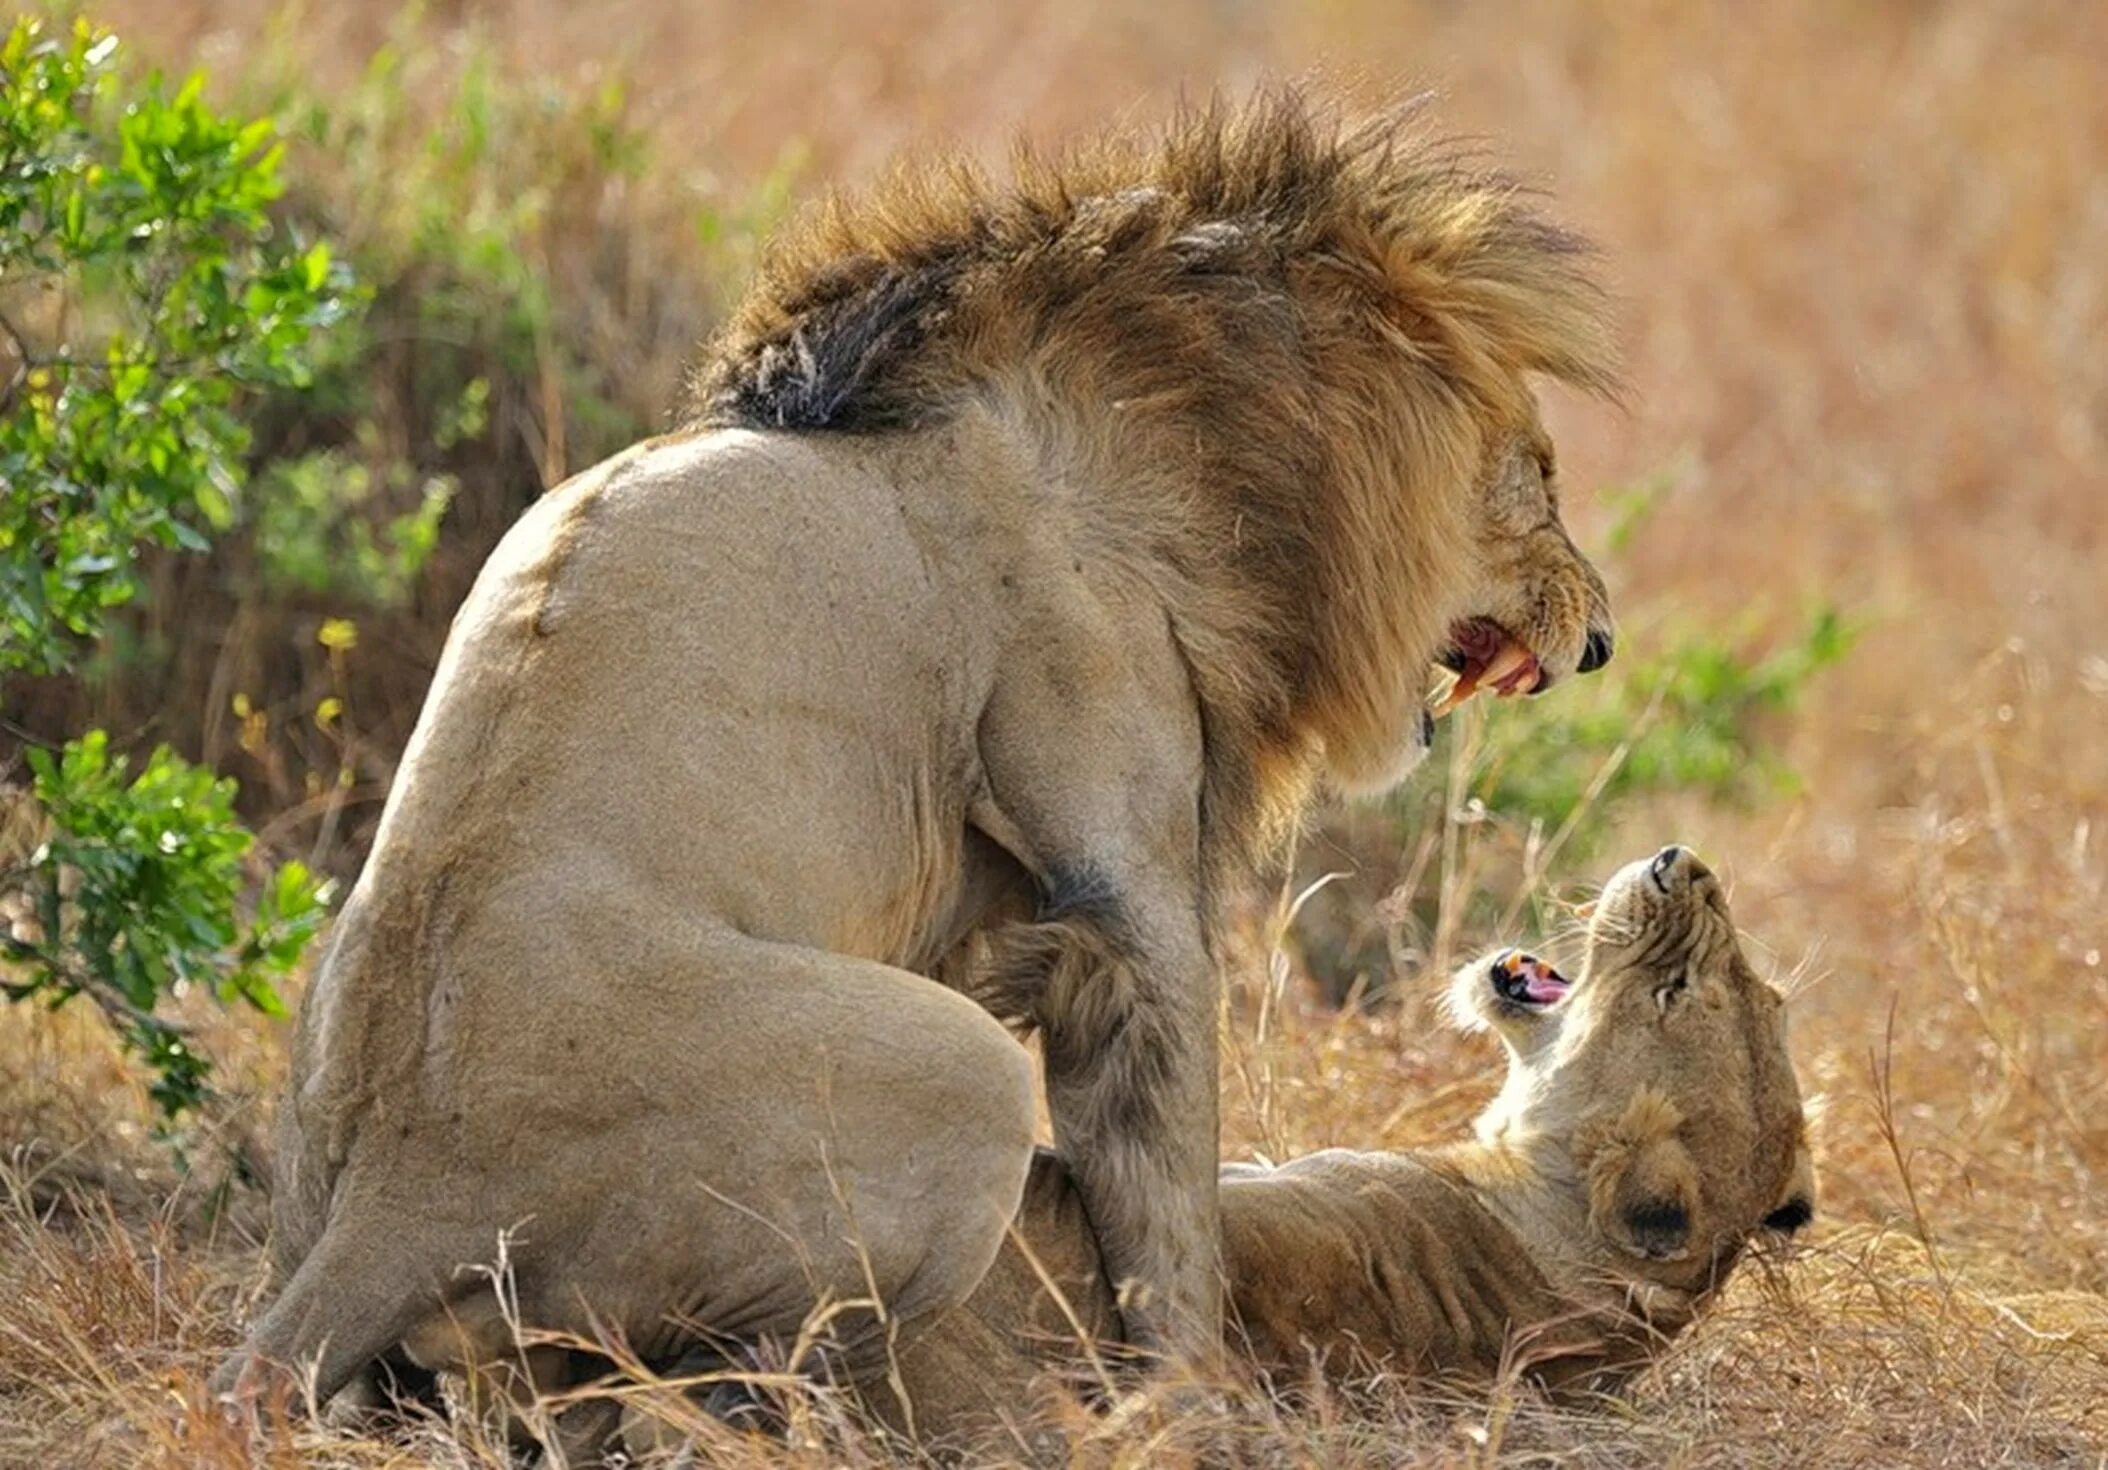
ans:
x=148 y=213
x=139 y=887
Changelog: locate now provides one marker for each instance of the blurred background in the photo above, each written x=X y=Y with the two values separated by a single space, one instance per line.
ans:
x=1854 y=516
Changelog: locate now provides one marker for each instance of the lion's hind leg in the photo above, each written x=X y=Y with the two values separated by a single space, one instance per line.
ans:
x=836 y=1151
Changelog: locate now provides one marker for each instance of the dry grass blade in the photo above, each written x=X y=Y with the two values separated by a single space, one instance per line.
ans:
x=1865 y=262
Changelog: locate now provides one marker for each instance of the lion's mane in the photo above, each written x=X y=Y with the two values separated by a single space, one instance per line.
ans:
x=1266 y=326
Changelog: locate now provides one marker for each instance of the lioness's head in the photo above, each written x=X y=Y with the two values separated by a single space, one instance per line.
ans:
x=1658 y=1081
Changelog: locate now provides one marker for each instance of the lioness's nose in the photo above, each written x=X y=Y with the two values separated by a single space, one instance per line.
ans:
x=1673 y=859
x=1597 y=651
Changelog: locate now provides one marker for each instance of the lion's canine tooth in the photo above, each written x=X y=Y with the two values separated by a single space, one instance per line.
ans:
x=1465 y=686
x=1441 y=691
x=1510 y=657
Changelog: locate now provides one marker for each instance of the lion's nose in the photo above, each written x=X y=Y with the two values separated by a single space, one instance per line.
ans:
x=1597 y=651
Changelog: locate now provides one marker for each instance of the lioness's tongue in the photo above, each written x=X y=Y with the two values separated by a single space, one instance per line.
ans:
x=1543 y=984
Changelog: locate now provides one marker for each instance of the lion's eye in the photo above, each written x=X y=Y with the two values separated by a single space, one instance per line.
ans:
x=1668 y=994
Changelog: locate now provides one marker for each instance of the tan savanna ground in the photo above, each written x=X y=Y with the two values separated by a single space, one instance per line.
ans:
x=1863 y=255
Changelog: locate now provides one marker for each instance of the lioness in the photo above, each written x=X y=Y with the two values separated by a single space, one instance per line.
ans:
x=1033 y=556
x=1649 y=1126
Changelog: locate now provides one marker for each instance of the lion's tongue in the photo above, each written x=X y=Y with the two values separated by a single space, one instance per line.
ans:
x=1514 y=670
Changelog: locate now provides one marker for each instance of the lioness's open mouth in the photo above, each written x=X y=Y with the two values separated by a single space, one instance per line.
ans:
x=1483 y=655
x=1525 y=980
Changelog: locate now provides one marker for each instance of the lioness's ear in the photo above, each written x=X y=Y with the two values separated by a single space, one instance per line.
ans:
x=1642 y=1183
x=1658 y=1228
x=1797 y=1207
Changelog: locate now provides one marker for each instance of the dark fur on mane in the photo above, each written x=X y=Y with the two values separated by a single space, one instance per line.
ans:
x=830 y=372
x=1263 y=337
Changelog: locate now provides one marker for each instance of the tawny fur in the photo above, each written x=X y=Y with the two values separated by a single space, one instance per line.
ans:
x=1266 y=331
x=1517 y=1252
x=1035 y=552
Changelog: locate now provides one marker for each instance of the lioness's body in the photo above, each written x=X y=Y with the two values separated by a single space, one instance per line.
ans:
x=1034 y=558
x=1352 y=1261
x=1650 y=1125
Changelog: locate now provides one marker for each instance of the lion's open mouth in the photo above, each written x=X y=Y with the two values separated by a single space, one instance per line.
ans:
x=1525 y=980
x=1483 y=655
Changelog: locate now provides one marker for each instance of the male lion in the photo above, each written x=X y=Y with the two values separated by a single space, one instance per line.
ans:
x=1035 y=552
x=1650 y=1125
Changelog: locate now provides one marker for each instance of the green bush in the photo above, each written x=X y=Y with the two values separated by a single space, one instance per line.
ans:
x=536 y=279
x=1687 y=717
x=146 y=296
x=316 y=527
x=137 y=235
x=135 y=896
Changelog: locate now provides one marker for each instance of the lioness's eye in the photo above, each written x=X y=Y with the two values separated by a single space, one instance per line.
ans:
x=1664 y=995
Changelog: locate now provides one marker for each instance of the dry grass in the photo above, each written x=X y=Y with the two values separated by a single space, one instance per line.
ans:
x=1865 y=256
